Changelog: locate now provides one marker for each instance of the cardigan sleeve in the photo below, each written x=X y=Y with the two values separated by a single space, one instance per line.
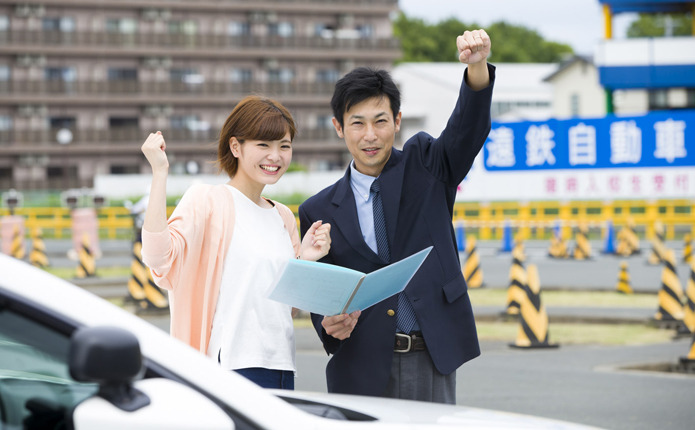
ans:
x=166 y=252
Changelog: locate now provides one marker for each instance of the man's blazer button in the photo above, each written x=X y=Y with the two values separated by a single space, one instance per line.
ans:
x=390 y=312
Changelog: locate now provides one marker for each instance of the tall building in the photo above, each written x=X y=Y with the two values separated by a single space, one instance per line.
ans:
x=83 y=82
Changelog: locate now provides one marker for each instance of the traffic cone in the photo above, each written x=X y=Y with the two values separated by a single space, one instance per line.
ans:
x=141 y=286
x=138 y=276
x=658 y=249
x=17 y=248
x=460 y=237
x=687 y=248
x=86 y=267
x=689 y=308
x=472 y=272
x=582 y=247
x=37 y=256
x=533 y=324
x=624 y=280
x=628 y=242
x=609 y=240
x=687 y=363
x=517 y=280
x=558 y=246
x=670 y=303
x=506 y=238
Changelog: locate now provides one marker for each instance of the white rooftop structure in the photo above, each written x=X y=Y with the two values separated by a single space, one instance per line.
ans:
x=429 y=92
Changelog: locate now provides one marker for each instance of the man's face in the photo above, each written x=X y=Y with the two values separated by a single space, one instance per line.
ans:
x=369 y=131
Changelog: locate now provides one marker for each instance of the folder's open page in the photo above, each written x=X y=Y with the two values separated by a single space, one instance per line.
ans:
x=330 y=290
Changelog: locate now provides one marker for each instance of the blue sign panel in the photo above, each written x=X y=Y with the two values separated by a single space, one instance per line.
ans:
x=658 y=139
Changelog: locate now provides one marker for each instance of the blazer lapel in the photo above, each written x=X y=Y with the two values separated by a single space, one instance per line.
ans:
x=392 y=183
x=346 y=219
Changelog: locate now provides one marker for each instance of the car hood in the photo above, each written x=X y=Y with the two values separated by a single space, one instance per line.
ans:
x=414 y=412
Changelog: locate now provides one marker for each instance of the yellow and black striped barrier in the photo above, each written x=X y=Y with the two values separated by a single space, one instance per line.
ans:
x=86 y=266
x=472 y=272
x=658 y=250
x=17 y=249
x=582 y=248
x=670 y=295
x=558 y=247
x=141 y=286
x=533 y=321
x=628 y=242
x=689 y=308
x=37 y=256
x=623 y=285
x=687 y=363
x=687 y=248
x=517 y=280
x=136 y=290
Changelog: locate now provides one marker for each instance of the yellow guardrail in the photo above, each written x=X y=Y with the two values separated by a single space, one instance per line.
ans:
x=486 y=221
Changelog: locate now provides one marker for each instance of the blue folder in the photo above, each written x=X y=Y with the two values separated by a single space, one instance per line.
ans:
x=327 y=289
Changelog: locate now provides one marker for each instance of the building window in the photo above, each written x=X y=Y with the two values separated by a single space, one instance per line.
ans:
x=123 y=122
x=62 y=24
x=280 y=75
x=185 y=122
x=4 y=73
x=65 y=74
x=4 y=23
x=238 y=28
x=129 y=169
x=574 y=105
x=327 y=75
x=58 y=122
x=121 y=25
x=5 y=122
x=239 y=76
x=366 y=31
x=281 y=29
x=187 y=76
x=183 y=27
x=658 y=99
x=326 y=31
x=690 y=98
x=324 y=121
x=5 y=175
x=122 y=74
x=59 y=172
x=188 y=123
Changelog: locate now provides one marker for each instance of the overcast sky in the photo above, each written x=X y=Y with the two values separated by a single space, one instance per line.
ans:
x=578 y=23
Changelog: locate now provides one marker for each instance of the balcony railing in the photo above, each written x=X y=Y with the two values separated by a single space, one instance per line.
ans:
x=180 y=40
x=120 y=135
x=130 y=87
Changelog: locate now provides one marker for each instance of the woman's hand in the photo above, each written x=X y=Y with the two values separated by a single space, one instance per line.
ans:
x=154 y=149
x=316 y=242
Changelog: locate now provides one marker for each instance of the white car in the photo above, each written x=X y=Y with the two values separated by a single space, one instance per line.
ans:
x=70 y=360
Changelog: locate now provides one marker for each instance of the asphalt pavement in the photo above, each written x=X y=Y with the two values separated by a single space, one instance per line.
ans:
x=598 y=385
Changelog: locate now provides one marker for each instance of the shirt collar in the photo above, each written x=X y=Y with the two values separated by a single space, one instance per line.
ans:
x=360 y=182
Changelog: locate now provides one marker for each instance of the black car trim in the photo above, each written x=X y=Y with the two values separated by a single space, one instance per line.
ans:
x=65 y=325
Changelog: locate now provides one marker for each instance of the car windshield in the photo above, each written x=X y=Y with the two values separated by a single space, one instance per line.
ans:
x=35 y=384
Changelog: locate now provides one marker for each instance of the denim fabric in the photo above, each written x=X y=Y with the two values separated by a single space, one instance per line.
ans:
x=269 y=378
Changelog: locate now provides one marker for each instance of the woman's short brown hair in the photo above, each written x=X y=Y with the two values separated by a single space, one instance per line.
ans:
x=253 y=118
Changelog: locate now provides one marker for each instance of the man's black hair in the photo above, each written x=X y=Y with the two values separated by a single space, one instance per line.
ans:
x=361 y=84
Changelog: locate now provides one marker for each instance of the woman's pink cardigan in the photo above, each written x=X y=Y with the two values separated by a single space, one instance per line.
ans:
x=188 y=257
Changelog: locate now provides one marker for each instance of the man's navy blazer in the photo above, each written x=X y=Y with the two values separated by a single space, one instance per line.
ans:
x=418 y=187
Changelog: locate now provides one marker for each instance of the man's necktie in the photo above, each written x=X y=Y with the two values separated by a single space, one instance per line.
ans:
x=406 y=315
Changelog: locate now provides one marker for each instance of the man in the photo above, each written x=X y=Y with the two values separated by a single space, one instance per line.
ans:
x=389 y=205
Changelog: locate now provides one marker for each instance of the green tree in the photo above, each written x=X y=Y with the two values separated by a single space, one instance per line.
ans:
x=421 y=41
x=655 y=25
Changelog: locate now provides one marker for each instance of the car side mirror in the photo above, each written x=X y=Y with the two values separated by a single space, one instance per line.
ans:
x=110 y=357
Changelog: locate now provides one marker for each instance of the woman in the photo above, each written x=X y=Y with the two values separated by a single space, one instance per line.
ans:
x=224 y=244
